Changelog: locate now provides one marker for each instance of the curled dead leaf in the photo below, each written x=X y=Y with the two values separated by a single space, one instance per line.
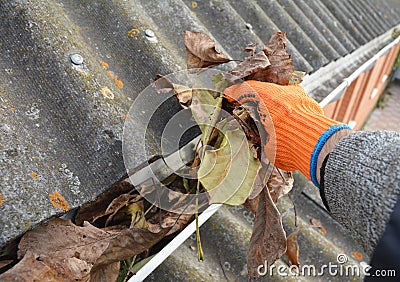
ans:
x=293 y=248
x=175 y=222
x=181 y=92
x=30 y=269
x=91 y=211
x=201 y=52
x=280 y=183
x=71 y=251
x=281 y=67
x=116 y=204
x=268 y=240
x=250 y=65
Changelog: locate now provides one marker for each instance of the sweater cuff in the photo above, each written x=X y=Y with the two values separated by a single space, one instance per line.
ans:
x=318 y=147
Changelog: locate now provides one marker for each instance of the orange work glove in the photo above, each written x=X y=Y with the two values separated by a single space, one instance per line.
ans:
x=301 y=129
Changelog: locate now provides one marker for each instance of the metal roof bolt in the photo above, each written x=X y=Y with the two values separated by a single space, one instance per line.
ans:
x=249 y=26
x=76 y=59
x=149 y=33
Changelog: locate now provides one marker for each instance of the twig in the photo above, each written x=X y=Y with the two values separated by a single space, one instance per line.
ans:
x=130 y=268
x=294 y=209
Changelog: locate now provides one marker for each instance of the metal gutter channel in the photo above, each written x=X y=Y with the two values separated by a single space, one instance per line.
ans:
x=187 y=151
x=339 y=91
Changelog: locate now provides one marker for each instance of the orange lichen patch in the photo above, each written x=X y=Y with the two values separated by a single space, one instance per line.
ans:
x=133 y=32
x=58 y=201
x=194 y=4
x=118 y=82
x=34 y=175
x=357 y=255
x=104 y=64
x=323 y=230
x=106 y=92
x=13 y=109
x=127 y=117
x=1 y=199
x=110 y=74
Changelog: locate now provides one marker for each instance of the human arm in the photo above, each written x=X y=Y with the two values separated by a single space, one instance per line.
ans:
x=357 y=161
x=361 y=183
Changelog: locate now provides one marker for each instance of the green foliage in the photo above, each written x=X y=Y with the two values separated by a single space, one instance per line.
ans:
x=228 y=173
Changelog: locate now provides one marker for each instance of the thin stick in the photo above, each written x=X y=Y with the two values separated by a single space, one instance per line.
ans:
x=294 y=209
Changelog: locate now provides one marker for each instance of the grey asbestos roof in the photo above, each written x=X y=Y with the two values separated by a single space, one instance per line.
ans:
x=60 y=132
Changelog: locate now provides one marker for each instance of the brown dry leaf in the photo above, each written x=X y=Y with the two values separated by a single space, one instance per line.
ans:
x=251 y=48
x=181 y=92
x=92 y=210
x=107 y=273
x=131 y=215
x=280 y=183
x=251 y=204
x=116 y=205
x=170 y=220
x=201 y=52
x=293 y=248
x=250 y=65
x=127 y=243
x=281 y=67
x=63 y=239
x=268 y=240
x=30 y=269
x=71 y=251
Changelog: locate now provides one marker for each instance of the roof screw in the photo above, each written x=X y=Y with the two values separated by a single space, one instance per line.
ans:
x=149 y=33
x=76 y=59
x=249 y=26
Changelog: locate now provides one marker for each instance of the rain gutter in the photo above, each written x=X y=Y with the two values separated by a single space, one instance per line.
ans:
x=187 y=151
x=339 y=91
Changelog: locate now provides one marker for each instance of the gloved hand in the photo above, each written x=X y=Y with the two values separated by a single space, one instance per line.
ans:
x=301 y=129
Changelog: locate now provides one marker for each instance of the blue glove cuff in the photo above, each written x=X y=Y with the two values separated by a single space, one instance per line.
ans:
x=318 y=147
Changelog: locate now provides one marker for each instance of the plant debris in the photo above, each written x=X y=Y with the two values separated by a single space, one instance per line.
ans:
x=293 y=248
x=121 y=229
x=268 y=240
x=201 y=52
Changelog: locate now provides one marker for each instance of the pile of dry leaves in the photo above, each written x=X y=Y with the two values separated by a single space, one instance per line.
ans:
x=122 y=225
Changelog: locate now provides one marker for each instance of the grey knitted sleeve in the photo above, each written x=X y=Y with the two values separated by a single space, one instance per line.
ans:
x=362 y=183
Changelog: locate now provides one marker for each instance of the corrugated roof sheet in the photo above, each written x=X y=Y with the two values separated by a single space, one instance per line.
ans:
x=61 y=132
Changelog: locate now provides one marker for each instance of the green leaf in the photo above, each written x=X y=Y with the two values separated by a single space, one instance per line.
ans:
x=137 y=266
x=219 y=82
x=228 y=173
x=205 y=109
